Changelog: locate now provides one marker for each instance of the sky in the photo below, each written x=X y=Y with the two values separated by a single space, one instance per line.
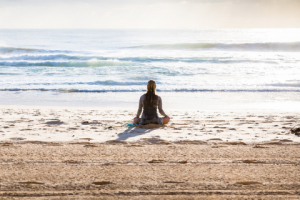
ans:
x=151 y=14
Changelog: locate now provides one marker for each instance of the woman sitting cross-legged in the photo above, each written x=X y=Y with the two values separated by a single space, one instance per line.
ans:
x=150 y=102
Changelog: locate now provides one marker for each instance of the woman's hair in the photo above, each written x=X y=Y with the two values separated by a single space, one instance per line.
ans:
x=151 y=97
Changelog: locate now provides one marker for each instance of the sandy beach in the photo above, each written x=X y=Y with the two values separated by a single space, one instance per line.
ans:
x=121 y=170
x=100 y=125
x=73 y=75
x=71 y=153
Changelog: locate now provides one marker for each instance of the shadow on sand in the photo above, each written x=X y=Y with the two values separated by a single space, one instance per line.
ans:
x=132 y=132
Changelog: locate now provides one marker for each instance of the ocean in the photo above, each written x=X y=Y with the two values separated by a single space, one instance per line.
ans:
x=53 y=62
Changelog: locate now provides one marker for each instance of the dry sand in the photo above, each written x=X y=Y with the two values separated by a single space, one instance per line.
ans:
x=71 y=125
x=55 y=153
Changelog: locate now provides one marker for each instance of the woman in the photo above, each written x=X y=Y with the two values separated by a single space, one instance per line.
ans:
x=150 y=102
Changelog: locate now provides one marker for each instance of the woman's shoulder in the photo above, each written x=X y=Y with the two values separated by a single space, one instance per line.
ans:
x=158 y=97
x=143 y=96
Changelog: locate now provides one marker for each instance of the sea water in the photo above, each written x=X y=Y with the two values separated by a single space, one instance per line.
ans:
x=88 y=62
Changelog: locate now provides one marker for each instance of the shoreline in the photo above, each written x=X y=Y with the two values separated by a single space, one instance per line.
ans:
x=189 y=101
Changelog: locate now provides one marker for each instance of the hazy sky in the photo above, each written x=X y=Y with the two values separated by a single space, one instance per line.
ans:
x=178 y=14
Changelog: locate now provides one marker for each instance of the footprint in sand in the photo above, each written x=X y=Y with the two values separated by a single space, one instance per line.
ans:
x=174 y=182
x=31 y=183
x=17 y=138
x=54 y=122
x=219 y=139
x=248 y=183
x=102 y=183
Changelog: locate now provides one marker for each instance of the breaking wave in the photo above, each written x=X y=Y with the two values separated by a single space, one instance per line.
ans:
x=65 y=60
x=96 y=63
x=17 y=50
x=142 y=90
x=271 y=46
x=107 y=83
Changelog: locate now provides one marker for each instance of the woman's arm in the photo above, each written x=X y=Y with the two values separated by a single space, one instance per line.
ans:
x=140 y=107
x=161 y=111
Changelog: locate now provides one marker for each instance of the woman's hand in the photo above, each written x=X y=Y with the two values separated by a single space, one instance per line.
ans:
x=136 y=120
x=166 y=119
